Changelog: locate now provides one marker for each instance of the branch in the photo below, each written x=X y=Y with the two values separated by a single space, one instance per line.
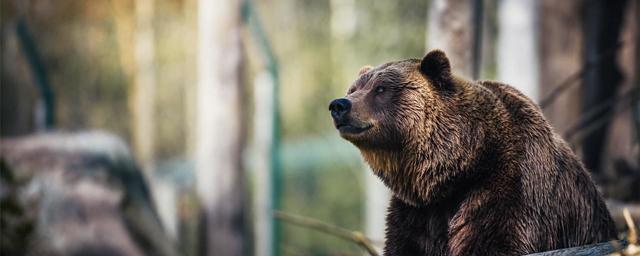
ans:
x=590 y=120
x=354 y=236
x=560 y=88
x=577 y=76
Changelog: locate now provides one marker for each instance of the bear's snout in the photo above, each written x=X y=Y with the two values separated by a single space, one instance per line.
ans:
x=339 y=108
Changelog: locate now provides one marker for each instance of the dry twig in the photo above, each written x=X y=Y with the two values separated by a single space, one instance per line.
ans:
x=577 y=76
x=595 y=117
x=354 y=236
x=633 y=249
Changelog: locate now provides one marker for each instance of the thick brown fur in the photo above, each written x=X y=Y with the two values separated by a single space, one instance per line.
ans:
x=474 y=167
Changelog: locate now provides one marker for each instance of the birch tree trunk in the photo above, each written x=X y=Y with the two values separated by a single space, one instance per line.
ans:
x=449 y=29
x=517 y=46
x=143 y=97
x=219 y=127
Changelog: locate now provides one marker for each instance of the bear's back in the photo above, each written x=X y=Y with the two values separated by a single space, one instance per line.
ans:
x=561 y=205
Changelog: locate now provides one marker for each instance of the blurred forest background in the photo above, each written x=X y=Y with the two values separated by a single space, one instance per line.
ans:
x=224 y=107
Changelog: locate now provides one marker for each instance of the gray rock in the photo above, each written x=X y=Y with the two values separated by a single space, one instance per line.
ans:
x=76 y=194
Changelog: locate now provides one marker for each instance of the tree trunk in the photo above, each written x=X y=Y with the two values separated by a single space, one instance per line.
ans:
x=450 y=29
x=636 y=107
x=517 y=46
x=219 y=128
x=143 y=97
x=603 y=23
x=637 y=75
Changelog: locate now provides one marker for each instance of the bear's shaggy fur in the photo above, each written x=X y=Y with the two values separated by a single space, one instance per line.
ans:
x=474 y=167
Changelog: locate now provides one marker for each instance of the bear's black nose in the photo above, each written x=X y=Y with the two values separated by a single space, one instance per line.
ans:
x=339 y=107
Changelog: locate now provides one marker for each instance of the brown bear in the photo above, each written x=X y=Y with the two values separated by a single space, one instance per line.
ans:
x=474 y=167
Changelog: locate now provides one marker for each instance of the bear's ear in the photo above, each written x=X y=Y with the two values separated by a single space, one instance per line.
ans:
x=435 y=65
x=364 y=69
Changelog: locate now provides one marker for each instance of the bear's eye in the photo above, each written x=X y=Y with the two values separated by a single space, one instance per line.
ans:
x=379 y=89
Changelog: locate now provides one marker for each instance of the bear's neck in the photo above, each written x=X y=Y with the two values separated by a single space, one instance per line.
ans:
x=427 y=178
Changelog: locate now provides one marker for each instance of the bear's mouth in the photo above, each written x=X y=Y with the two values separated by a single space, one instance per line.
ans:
x=352 y=129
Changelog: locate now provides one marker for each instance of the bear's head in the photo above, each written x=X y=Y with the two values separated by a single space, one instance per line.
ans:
x=416 y=125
